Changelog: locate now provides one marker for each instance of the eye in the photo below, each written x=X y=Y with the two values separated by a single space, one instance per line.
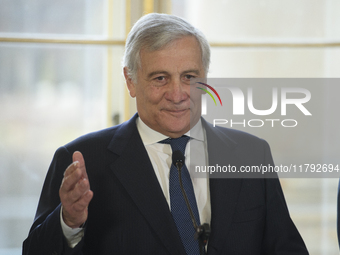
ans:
x=188 y=76
x=160 y=78
x=159 y=81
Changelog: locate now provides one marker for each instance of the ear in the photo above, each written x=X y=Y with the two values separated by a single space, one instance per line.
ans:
x=129 y=83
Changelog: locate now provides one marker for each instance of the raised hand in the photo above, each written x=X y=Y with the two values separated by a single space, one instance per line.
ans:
x=75 y=194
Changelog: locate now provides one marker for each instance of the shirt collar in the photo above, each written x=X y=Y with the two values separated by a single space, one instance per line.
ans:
x=150 y=136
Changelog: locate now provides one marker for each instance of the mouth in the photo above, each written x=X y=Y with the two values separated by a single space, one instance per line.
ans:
x=177 y=112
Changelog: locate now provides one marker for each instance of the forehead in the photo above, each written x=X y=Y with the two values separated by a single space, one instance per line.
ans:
x=180 y=53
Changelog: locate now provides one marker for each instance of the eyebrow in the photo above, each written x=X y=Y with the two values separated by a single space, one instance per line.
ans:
x=195 y=71
x=165 y=72
x=156 y=72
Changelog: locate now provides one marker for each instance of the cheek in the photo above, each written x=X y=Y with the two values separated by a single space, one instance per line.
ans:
x=154 y=95
x=195 y=97
x=195 y=93
x=149 y=96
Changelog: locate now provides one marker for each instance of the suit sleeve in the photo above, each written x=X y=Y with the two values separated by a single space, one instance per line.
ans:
x=280 y=234
x=46 y=236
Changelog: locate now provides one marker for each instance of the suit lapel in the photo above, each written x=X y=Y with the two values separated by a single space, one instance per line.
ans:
x=224 y=192
x=134 y=170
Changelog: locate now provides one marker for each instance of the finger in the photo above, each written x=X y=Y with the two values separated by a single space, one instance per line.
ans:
x=79 y=190
x=71 y=168
x=78 y=157
x=76 y=214
x=83 y=202
x=71 y=179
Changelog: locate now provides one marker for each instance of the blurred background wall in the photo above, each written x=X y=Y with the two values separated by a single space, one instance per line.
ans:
x=61 y=77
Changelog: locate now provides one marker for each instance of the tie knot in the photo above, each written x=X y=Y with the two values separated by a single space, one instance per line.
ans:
x=177 y=143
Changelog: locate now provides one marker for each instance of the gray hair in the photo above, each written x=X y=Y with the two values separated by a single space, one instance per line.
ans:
x=153 y=32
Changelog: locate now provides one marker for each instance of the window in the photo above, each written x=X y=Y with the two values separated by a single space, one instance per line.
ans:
x=283 y=39
x=61 y=77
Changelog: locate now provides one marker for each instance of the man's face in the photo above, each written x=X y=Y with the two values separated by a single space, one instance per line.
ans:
x=162 y=89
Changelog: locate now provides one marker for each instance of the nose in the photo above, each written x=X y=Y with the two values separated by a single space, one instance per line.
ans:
x=177 y=91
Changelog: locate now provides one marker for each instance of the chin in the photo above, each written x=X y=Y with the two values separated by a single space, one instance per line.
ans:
x=179 y=129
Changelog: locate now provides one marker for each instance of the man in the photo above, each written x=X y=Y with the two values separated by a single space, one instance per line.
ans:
x=110 y=192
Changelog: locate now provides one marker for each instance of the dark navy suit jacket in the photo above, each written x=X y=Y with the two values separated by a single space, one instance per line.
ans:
x=129 y=214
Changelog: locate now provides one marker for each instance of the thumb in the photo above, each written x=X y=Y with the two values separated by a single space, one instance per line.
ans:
x=77 y=156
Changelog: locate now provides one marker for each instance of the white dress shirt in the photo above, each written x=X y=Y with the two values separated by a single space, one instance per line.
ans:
x=161 y=158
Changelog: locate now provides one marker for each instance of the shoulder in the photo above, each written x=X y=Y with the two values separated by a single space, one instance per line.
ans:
x=104 y=137
x=241 y=136
x=101 y=137
x=235 y=136
x=246 y=144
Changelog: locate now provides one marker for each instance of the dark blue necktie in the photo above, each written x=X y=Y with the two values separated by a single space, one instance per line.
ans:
x=179 y=210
